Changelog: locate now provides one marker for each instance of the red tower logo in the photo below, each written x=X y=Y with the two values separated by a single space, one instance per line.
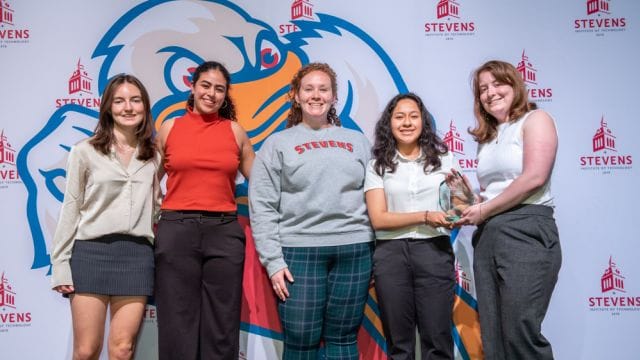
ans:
x=605 y=157
x=525 y=68
x=453 y=140
x=461 y=278
x=8 y=35
x=80 y=85
x=529 y=75
x=604 y=139
x=79 y=80
x=599 y=21
x=7 y=295
x=6 y=13
x=612 y=278
x=7 y=153
x=448 y=8
x=613 y=297
x=449 y=24
x=597 y=6
x=301 y=9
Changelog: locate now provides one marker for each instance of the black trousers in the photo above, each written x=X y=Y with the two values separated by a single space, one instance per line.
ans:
x=414 y=281
x=516 y=262
x=198 y=292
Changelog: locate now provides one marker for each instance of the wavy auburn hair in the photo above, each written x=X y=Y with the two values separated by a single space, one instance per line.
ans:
x=104 y=137
x=503 y=72
x=385 y=145
x=295 y=114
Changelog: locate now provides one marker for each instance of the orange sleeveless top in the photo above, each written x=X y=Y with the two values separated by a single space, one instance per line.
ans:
x=201 y=161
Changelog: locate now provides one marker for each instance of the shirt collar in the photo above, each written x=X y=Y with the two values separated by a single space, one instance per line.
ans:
x=399 y=157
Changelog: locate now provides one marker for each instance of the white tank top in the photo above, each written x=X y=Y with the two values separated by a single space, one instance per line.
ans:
x=500 y=162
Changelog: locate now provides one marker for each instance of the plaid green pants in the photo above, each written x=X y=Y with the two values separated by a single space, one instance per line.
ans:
x=326 y=301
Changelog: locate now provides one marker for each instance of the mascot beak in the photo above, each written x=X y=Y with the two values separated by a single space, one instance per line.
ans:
x=262 y=101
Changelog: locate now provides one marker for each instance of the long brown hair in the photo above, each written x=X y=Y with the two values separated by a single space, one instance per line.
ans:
x=486 y=124
x=295 y=114
x=104 y=137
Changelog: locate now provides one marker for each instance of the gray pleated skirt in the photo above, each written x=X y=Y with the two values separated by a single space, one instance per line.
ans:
x=115 y=265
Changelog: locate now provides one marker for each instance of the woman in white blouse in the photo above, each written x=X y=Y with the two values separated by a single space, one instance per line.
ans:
x=102 y=255
x=413 y=263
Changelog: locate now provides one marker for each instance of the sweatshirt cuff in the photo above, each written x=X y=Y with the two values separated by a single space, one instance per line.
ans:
x=275 y=266
x=61 y=274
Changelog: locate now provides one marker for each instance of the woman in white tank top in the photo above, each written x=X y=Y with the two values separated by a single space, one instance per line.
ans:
x=516 y=247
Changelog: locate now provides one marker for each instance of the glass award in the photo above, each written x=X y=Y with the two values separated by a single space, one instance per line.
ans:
x=455 y=196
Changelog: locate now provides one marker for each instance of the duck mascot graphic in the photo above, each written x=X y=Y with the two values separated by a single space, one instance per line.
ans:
x=162 y=42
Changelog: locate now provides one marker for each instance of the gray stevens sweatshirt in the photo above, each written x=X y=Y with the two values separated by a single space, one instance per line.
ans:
x=306 y=190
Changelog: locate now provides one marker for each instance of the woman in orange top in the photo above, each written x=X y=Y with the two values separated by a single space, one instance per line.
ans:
x=200 y=245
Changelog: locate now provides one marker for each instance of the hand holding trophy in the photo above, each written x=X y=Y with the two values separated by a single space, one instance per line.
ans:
x=455 y=195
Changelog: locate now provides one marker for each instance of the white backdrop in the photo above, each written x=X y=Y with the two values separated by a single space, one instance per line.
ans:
x=582 y=63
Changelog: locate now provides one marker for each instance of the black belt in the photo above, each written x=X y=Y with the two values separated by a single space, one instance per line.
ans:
x=210 y=214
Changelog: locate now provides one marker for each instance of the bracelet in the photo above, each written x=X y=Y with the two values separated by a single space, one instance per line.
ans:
x=480 y=208
x=426 y=215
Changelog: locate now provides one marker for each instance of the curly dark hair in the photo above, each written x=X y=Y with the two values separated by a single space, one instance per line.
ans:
x=385 y=146
x=104 y=138
x=228 y=109
x=295 y=114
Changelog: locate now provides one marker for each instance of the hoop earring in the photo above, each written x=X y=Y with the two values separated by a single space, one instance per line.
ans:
x=224 y=104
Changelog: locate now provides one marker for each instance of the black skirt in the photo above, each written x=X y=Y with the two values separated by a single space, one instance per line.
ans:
x=115 y=265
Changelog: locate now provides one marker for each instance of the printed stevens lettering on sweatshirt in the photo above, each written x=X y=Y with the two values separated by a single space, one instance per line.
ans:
x=325 y=144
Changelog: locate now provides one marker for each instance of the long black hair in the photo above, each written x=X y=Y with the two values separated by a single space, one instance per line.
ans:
x=228 y=108
x=385 y=146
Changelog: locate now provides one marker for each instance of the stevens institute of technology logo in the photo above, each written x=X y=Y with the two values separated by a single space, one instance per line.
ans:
x=599 y=19
x=529 y=74
x=462 y=279
x=150 y=314
x=300 y=10
x=605 y=157
x=455 y=143
x=10 y=316
x=449 y=22
x=10 y=33
x=80 y=89
x=8 y=172
x=614 y=298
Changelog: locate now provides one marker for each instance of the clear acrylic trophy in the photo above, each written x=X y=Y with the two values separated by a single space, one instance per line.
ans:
x=455 y=196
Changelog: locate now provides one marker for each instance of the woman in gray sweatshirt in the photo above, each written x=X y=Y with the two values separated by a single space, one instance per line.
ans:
x=310 y=222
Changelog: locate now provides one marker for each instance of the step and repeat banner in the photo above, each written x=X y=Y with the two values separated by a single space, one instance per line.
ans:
x=578 y=58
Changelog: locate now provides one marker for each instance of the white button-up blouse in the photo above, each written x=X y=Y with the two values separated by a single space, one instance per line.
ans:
x=410 y=189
